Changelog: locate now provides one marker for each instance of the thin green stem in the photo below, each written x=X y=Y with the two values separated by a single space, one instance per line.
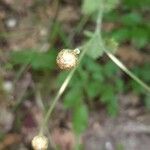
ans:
x=59 y=94
x=70 y=75
x=67 y=80
x=52 y=106
x=99 y=20
x=113 y=58
x=41 y=105
x=127 y=71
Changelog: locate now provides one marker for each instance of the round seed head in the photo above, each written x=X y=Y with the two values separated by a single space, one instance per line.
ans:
x=66 y=59
x=40 y=143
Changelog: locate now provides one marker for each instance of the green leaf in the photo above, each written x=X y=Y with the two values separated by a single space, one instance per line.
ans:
x=44 y=61
x=121 y=34
x=136 y=3
x=83 y=75
x=94 y=47
x=119 y=84
x=60 y=78
x=143 y=72
x=98 y=76
x=110 y=4
x=22 y=57
x=109 y=98
x=90 y=6
x=136 y=87
x=140 y=36
x=111 y=45
x=37 y=60
x=107 y=93
x=131 y=19
x=112 y=107
x=112 y=16
x=73 y=97
x=91 y=65
x=93 y=89
x=110 y=69
x=93 y=69
x=80 y=119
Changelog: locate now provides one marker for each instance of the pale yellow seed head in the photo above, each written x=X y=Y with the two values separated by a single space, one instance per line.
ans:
x=66 y=59
x=40 y=142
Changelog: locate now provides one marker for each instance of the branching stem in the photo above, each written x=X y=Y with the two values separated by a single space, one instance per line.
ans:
x=59 y=94
x=70 y=75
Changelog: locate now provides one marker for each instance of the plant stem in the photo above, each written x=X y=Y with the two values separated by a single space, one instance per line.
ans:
x=59 y=94
x=127 y=71
x=41 y=105
x=99 y=20
x=68 y=78
x=70 y=75
x=113 y=58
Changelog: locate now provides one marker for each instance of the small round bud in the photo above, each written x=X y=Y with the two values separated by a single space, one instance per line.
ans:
x=40 y=142
x=77 y=51
x=66 y=59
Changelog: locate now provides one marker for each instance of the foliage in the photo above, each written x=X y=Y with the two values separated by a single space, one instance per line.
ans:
x=132 y=25
x=100 y=82
x=93 y=46
x=143 y=74
x=37 y=60
x=90 y=7
x=80 y=119
x=95 y=80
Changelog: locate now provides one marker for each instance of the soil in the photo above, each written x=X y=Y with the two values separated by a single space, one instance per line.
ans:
x=26 y=24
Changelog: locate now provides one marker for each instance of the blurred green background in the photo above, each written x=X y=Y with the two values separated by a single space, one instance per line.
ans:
x=33 y=32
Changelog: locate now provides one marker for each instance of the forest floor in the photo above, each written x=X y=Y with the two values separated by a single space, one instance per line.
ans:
x=25 y=25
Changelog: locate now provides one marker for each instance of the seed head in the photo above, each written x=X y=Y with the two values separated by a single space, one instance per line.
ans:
x=40 y=142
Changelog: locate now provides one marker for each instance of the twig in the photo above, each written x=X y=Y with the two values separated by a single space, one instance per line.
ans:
x=41 y=105
x=67 y=80
x=59 y=93
x=127 y=71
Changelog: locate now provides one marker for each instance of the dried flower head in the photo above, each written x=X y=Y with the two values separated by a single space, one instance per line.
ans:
x=40 y=142
x=67 y=59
